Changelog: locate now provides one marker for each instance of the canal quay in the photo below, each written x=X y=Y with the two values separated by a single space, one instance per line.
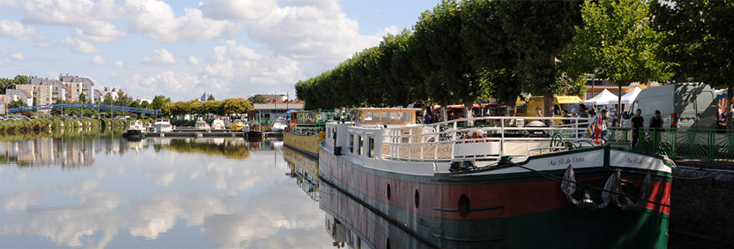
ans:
x=456 y=124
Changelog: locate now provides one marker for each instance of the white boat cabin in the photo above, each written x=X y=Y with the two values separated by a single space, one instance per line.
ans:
x=390 y=136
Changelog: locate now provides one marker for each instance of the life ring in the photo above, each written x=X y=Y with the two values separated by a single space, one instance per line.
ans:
x=476 y=134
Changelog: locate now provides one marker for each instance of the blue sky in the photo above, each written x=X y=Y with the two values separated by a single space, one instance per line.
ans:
x=229 y=48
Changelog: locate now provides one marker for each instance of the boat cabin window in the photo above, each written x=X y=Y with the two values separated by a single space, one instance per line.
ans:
x=350 y=141
x=361 y=143
x=371 y=116
x=405 y=116
x=371 y=145
x=388 y=117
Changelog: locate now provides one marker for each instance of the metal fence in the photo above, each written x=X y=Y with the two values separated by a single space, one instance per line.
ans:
x=700 y=144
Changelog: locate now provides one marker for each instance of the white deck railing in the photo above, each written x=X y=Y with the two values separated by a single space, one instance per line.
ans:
x=456 y=139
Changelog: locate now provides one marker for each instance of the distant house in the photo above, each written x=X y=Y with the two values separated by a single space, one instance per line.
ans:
x=276 y=106
x=15 y=95
x=112 y=91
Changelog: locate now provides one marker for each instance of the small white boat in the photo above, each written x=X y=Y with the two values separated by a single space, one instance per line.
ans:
x=201 y=125
x=136 y=129
x=218 y=124
x=162 y=125
x=279 y=125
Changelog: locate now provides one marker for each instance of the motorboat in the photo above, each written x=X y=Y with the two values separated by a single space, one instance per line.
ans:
x=279 y=125
x=162 y=125
x=136 y=129
x=201 y=125
x=218 y=124
x=238 y=125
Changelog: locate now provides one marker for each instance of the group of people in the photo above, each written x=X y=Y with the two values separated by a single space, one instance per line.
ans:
x=655 y=123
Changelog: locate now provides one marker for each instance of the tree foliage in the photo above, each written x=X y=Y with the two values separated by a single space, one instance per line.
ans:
x=457 y=52
x=225 y=107
x=616 y=42
x=698 y=41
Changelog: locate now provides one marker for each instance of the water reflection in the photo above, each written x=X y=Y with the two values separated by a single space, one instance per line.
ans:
x=305 y=170
x=354 y=225
x=348 y=222
x=194 y=193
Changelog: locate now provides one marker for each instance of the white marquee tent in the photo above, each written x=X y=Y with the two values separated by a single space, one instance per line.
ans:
x=604 y=98
x=630 y=97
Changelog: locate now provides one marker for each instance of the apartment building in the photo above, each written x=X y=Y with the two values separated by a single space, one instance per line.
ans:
x=76 y=86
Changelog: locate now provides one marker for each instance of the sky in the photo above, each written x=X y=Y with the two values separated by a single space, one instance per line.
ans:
x=181 y=48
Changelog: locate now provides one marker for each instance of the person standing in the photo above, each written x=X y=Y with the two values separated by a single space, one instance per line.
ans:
x=637 y=122
x=656 y=122
x=427 y=118
x=582 y=111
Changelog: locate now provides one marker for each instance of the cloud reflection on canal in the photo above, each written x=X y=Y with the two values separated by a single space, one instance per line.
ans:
x=104 y=192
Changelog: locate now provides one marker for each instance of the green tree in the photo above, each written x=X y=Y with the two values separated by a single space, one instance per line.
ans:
x=159 y=101
x=82 y=98
x=211 y=97
x=699 y=41
x=145 y=104
x=236 y=106
x=257 y=99
x=617 y=43
x=537 y=31
x=17 y=103
x=20 y=80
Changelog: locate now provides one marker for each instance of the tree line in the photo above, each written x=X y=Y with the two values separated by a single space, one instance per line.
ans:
x=224 y=107
x=461 y=51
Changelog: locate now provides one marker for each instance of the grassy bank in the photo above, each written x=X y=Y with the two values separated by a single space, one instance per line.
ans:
x=21 y=127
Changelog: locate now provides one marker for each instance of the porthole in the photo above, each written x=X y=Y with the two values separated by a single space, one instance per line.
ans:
x=417 y=198
x=464 y=207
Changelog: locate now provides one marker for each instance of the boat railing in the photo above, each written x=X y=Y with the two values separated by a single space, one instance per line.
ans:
x=483 y=138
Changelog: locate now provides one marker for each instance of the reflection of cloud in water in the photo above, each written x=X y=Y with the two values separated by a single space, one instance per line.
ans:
x=158 y=214
x=275 y=217
x=21 y=201
x=70 y=225
x=272 y=216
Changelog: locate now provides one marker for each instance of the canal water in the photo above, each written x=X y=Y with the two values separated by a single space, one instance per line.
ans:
x=102 y=191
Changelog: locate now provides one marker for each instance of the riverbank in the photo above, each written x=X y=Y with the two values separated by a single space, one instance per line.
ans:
x=20 y=127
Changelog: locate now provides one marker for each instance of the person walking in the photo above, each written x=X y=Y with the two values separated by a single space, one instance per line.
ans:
x=637 y=122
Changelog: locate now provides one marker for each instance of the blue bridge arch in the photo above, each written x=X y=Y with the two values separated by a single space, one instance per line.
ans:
x=85 y=106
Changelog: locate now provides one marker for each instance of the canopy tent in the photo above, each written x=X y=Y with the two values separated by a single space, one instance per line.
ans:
x=630 y=97
x=604 y=98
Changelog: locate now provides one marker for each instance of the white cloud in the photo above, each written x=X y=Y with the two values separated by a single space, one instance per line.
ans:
x=10 y=3
x=249 y=10
x=16 y=31
x=99 y=60
x=93 y=20
x=157 y=20
x=105 y=33
x=79 y=46
x=172 y=83
x=77 y=13
x=17 y=56
x=160 y=57
x=119 y=64
x=193 y=61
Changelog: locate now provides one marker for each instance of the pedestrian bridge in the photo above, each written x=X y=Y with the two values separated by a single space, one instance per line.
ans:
x=85 y=106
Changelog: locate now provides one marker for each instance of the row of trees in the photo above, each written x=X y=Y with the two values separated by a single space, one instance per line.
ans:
x=6 y=83
x=225 y=107
x=459 y=52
